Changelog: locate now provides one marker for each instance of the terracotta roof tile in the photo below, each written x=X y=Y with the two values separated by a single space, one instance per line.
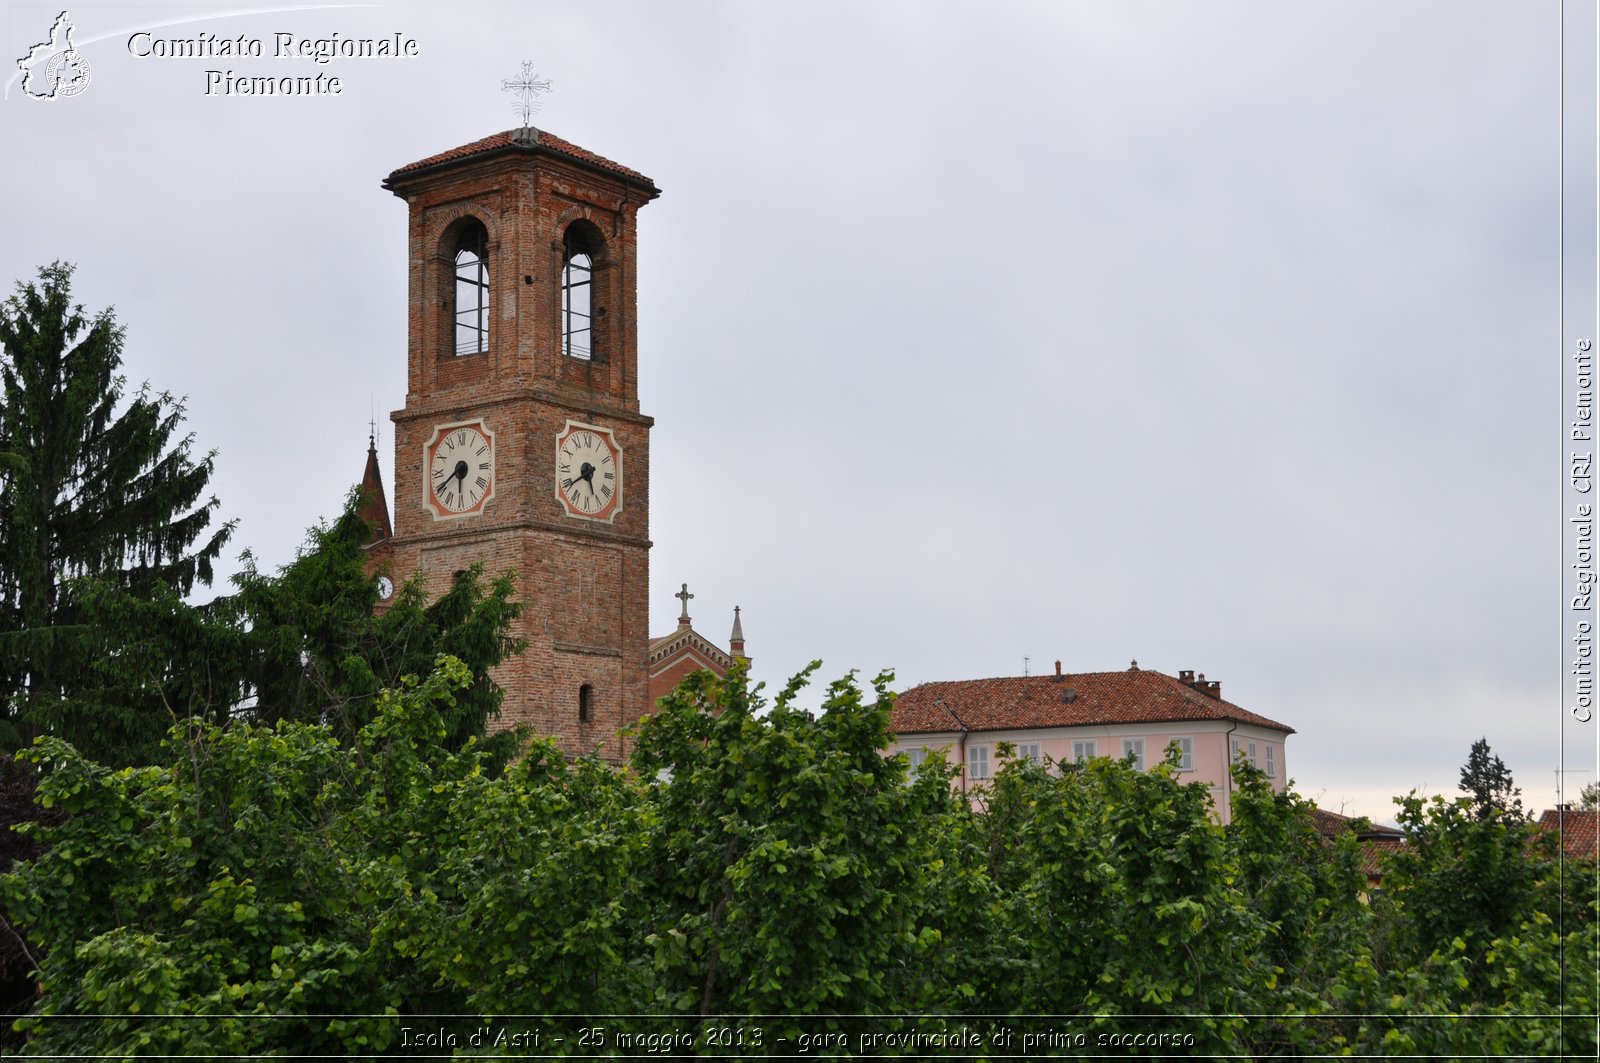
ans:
x=1015 y=702
x=1580 y=830
x=1373 y=851
x=1375 y=840
x=547 y=142
x=1329 y=824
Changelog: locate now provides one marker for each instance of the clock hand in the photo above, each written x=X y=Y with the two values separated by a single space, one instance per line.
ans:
x=586 y=474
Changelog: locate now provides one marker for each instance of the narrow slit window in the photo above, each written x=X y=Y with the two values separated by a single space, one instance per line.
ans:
x=472 y=290
x=585 y=703
x=577 y=301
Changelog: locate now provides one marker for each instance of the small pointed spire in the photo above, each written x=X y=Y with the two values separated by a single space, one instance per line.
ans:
x=736 y=639
x=374 y=508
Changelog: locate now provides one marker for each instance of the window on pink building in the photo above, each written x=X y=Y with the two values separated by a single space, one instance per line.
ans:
x=1136 y=747
x=977 y=762
x=1029 y=751
x=1185 y=744
x=1082 y=751
x=1272 y=769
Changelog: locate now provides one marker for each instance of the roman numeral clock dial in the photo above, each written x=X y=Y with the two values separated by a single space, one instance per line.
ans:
x=588 y=472
x=458 y=467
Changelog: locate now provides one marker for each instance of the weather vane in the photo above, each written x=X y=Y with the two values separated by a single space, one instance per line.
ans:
x=527 y=88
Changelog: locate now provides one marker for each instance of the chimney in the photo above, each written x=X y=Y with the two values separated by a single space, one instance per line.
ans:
x=1186 y=677
x=1213 y=689
x=1059 y=676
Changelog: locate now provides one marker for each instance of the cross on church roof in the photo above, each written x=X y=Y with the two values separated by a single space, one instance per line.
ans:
x=527 y=87
x=684 y=596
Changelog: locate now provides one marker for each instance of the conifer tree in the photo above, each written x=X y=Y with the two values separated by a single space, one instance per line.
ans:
x=1486 y=779
x=92 y=483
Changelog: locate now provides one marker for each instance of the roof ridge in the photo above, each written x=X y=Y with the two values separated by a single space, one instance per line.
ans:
x=1121 y=697
x=509 y=139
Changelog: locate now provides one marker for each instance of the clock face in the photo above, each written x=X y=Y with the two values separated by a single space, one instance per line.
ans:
x=588 y=472
x=385 y=587
x=459 y=465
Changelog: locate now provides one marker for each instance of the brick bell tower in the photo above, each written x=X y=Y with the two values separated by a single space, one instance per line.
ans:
x=521 y=443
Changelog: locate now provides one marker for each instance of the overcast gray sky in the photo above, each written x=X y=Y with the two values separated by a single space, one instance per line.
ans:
x=1217 y=335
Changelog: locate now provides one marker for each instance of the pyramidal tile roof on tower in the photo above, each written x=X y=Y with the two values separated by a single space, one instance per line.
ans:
x=509 y=140
x=1071 y=700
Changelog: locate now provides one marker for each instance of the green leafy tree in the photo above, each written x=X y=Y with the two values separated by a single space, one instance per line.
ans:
x=1307 y=892
x=534 y=903
x=92 y=483
x=1462 y=877
x=317 y=649
x=1130 y=903
x=971 y=959
x=1464 y=955
x=305 y=643
x=272 y=888
x=1589 y=798
x=1306 y=888
x=787 y=850
x=240 y=886
x=1487 y=781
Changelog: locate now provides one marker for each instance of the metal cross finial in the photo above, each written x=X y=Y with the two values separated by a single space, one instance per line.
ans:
x=684 y=596
x=527 y=87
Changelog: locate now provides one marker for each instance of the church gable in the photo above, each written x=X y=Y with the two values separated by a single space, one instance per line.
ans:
x=665 y=652
x=674 y=657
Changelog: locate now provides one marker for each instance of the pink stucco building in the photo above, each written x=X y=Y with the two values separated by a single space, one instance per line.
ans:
x=1067 y=717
